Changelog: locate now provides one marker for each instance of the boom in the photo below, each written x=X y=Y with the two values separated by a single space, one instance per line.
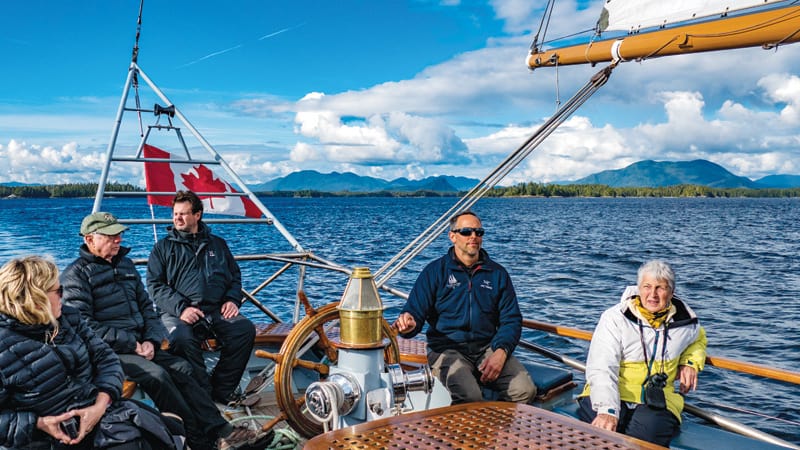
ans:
x=767 y=29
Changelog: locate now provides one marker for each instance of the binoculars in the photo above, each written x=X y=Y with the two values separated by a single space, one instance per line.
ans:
x=654 y=391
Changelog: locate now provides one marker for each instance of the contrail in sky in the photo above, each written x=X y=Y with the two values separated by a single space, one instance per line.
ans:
x=211 y=55
x=280 y=31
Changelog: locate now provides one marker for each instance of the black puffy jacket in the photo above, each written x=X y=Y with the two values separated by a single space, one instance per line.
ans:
x=39 y=378
x=187 y=269
x=112 y=299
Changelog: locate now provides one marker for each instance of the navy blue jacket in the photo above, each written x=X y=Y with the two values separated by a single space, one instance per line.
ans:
x=38 y=378
x=466 y=309
x=187 y=269
x=112 y=299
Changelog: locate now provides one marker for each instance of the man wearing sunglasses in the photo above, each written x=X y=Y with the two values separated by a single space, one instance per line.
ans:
x=474 y=321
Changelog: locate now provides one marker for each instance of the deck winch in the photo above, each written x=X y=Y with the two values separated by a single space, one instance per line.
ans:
x=361 y=386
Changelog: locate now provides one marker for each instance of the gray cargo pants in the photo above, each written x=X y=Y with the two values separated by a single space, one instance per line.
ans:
x=459 y=373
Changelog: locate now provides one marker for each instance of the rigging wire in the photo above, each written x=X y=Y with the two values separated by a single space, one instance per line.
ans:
x=135 y=56
x=513 y=160
x=558 y=86
x=751 y=412
x=544 y=24
x=567 y=36
x=134 y=61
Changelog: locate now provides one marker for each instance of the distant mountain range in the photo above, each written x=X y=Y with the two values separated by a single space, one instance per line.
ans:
x=701 y=172
x=350 y=182
x=779 y=181
x=18 y=184
x=641 y=174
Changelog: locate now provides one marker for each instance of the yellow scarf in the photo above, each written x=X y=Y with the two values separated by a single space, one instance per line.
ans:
x=655 y=319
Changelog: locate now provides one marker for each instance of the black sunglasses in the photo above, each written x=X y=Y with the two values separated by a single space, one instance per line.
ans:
x=467 y=231
x=59 y=290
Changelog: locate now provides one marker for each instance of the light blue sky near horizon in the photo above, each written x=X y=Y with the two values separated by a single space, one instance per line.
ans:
x=386 y=89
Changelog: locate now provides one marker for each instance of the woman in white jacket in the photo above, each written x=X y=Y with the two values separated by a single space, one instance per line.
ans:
x=639 y=348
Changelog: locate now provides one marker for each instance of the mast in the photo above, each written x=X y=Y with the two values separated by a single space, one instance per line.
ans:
x=130 y=81
x=767 y=29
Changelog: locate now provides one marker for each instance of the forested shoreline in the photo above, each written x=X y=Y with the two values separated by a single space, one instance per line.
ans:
x=600 y=190
x=76 y=190
x=69 y=190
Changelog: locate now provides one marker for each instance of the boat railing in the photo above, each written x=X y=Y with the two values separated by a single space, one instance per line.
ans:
x=266 y=221
x=786 y=376
x=289 y=260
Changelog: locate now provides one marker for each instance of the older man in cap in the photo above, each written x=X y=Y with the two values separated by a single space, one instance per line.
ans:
x=105 y=286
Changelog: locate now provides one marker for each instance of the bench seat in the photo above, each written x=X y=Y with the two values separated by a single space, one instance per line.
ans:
x=550 y=381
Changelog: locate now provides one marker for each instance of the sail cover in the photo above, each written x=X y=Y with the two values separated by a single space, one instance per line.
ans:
x=633 y=15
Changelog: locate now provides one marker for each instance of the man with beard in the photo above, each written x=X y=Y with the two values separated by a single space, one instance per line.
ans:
x=197 y=285
x=474 y=321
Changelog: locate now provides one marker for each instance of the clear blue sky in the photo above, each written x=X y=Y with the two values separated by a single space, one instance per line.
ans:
x=380 y=88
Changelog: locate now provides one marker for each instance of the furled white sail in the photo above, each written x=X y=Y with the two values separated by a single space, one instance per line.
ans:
x=633 y=15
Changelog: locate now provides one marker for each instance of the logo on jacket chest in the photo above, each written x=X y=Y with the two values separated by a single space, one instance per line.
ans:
x=452 y=282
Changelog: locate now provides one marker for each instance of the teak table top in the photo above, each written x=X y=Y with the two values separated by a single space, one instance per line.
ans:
x=477 y=426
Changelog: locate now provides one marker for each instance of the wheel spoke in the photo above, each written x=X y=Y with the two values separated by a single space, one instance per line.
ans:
x=327 y=346
x=321 y=368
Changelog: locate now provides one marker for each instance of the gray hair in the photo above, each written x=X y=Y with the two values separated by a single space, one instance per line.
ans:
x=659 y=270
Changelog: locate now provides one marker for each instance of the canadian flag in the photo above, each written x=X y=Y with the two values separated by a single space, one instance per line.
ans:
x=182 y=176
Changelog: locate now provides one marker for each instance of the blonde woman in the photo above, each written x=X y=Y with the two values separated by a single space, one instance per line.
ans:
x=57 y=379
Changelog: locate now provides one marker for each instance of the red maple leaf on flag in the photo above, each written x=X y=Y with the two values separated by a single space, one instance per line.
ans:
x=204 y=182
x=163 y=177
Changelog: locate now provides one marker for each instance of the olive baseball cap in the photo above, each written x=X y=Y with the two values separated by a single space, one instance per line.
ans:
x=103 y=223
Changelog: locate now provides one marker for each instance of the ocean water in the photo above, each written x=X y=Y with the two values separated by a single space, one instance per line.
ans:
x=737 y=263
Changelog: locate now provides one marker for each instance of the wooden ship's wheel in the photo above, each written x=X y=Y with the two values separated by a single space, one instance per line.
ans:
x=291 y=404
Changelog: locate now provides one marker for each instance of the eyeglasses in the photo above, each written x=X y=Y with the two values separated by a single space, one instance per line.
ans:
x=112 y=237
x=467 y=231
x=59 y=290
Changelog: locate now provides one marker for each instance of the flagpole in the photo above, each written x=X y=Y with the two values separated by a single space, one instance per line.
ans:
x=278 y=225
x=153 y=218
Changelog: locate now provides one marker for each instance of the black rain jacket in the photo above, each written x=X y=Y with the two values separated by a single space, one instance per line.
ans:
x=198 y=270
